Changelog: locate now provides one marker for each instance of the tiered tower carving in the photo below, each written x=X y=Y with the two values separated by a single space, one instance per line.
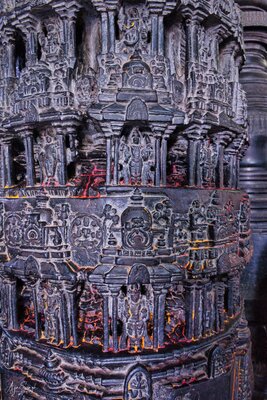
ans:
x=123 y=233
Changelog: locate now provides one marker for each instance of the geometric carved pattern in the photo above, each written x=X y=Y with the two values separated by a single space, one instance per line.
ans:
x=123 y=234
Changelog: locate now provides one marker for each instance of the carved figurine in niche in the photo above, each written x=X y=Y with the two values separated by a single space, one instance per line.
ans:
x=136 y=226
x=163 y=212
x=198 y=221
x=61 y=217
x=49 y=39
x=52 y=313
x=111 y=220
x=159 y=71
x=110 y=71
x=207 y=162
x=136 y=159
x=90 y=315
x=135 y=29
x=48 y=157
x=244 y=215
x=177 y=162
x=26 y=307
x=86 y=85
x=203 y=47
x=136 y=73
x=134 y=312
x=175 y=312
x=181 y=230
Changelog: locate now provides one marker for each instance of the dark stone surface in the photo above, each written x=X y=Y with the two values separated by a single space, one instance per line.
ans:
x=123 y=232
x=254 y=180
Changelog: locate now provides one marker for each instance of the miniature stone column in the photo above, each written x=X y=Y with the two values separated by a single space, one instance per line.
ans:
x=62 y=171
x=31 y=32
x=164 y=149
x=192 y=34
x=70 y=313
x=10 y=46
x=38 y=331
x=116 y=151
x=231 y=153
x=109 y=159
x=11 y=293
x=156 y=291
x=161 y=316
x=104 y=29
x=154 y=40
x=221 y=140
x=72 y=133
x=194 y=170
x=198 y=311
x=195 y=134
x=158 y=160
x=190 y=310
x=114 y=317
x=105 y=321
x=220 y=290
x=30 y=164
x=111 y=31
x=7 y=163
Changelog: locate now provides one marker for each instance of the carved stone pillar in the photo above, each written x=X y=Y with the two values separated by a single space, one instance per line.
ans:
x=10 y=46
x=231 y=159
x=164 y=148
x=11 y=293
x=37 y=315
x=137 y=297
x=190 y=310
x=159 y=316
x=192 y=35
x=105 y=32
x=30 y=164
x=70 y=303
x=253 y=178
x=114 y=319
x=7 y=162
x=61 y=140
x=111 y=31
x=220 y=313
x=109 y=159
x=106 y=344
x=194 y=171
x=157 y=160
x=221 y=141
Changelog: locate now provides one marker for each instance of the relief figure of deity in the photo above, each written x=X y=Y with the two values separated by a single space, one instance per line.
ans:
x=134 y=312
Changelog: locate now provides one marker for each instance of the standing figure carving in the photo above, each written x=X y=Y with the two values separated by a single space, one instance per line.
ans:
x=134 y=312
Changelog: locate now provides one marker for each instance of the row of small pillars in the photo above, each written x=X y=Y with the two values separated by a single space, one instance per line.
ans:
x=68 y=315
x=112 y=151
x=226 y=143
x=195 y=305
x=29 y=30
x=27 y=135
x=112 y=341
x=108 y=18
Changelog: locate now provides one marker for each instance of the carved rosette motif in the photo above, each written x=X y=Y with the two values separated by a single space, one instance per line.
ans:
x=123 y=233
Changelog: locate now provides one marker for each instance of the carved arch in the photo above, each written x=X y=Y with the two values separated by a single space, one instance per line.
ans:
x=137 y=110
x=139 y=274
x=138 y=380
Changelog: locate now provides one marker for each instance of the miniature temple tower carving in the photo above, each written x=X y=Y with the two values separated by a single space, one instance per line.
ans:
x=123 y=233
